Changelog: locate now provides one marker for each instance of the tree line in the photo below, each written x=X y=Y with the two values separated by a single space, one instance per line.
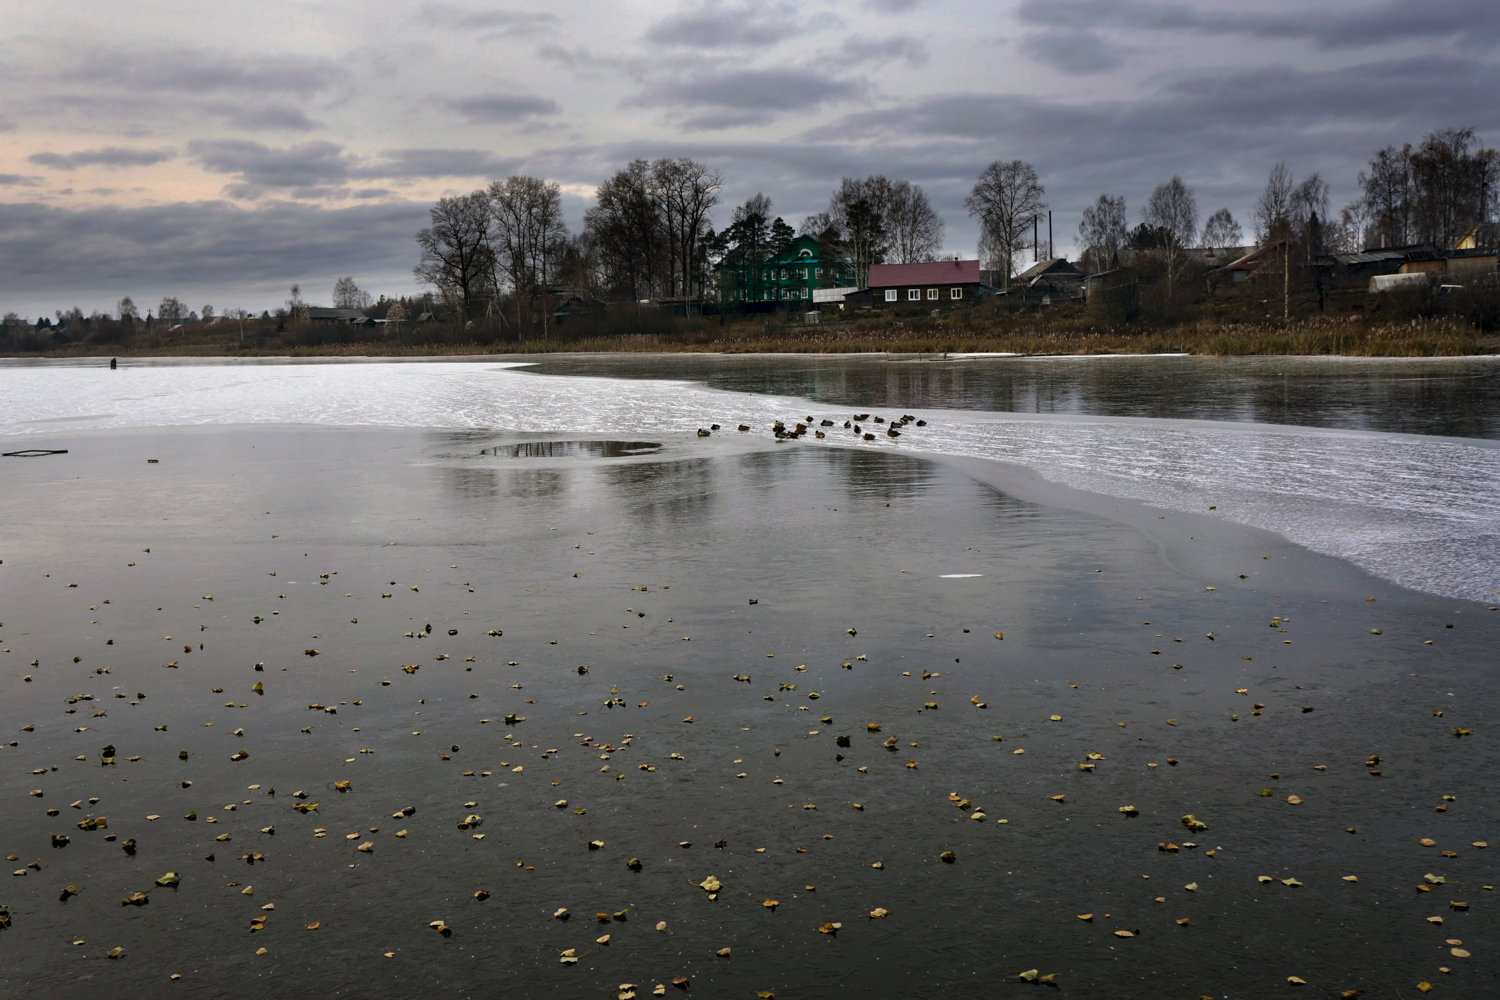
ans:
x=505 y=252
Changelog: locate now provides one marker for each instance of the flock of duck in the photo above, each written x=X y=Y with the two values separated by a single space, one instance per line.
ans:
x=854 y=423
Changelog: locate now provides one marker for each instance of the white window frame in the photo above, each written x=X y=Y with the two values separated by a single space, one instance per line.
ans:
x=820 y=272
x=804 y=293
x=932 y=294
x=914 y=295
x=955 y=293
x=891 y=295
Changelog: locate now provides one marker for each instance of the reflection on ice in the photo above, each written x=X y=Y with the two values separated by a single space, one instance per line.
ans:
x=1421 y=512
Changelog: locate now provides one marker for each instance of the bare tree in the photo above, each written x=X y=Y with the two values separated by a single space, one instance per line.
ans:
x=1274 y=206
x=1388 y=194
x=1006 y=199
x=1102 y=231
x=208 y=314
x=1221 y=230
x=127 y=309
x=856 y=213
x=626 y=227
x=916 y=230
x=686 y=191
x=1450 y=184
x=1275 y=223
x=1173 y=211
x=1310 y=198
x=529 y=236
x=171 y=310
x=1351 y=233
x=456 y=253
x=239 y=316
x=348 y=295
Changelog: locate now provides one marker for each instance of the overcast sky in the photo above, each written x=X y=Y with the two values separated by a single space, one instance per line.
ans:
x=219 y=151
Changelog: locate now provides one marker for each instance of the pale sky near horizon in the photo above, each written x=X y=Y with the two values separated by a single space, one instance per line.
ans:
x=220 y=152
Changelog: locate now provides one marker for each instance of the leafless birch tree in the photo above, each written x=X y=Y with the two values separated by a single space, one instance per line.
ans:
x=1006 y=199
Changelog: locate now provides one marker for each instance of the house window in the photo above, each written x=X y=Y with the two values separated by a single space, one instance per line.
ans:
x=820 y=272
x=955 y=293
x=804 y=293
x=890 y=295
x=783 y=273
x=932 y=293
x=914 y=295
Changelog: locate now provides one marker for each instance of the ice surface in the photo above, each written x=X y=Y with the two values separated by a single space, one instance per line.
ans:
x=1421 y=512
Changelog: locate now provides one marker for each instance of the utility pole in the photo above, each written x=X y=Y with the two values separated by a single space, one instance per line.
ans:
x=1049 y=234
x=1035 y=250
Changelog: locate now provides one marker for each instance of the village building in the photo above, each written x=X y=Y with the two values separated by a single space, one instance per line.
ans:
x=1055 y=278
x=319 y=316
x=792 y=275
x=935 y=284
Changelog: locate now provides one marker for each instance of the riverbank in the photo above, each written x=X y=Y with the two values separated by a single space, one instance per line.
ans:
x=1353 y=335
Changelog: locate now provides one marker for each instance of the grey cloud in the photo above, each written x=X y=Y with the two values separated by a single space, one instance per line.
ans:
x=431 y=163
x=1325 y=25
x=109 y=156
x=747 y=96
x=320 y=170
x=892 y=6
x=1078 y=52
x=1220 y=131
x=211 y=251
x=308 y=164
x=717 y=25
x=500 y=22
x=187 y=71
x=498 y=109
x=258 y=115
x=19 y=180
x=879 y=49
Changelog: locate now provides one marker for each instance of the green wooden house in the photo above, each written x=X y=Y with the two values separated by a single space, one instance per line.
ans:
x=788 y=276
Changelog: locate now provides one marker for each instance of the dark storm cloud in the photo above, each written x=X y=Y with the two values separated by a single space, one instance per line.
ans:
x=1325 y=25
x=719 y=25
x=885 y=49
x=496 y=22
x=208 y=249
x=503 y=109
x=747 y=96
x=109 y=156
